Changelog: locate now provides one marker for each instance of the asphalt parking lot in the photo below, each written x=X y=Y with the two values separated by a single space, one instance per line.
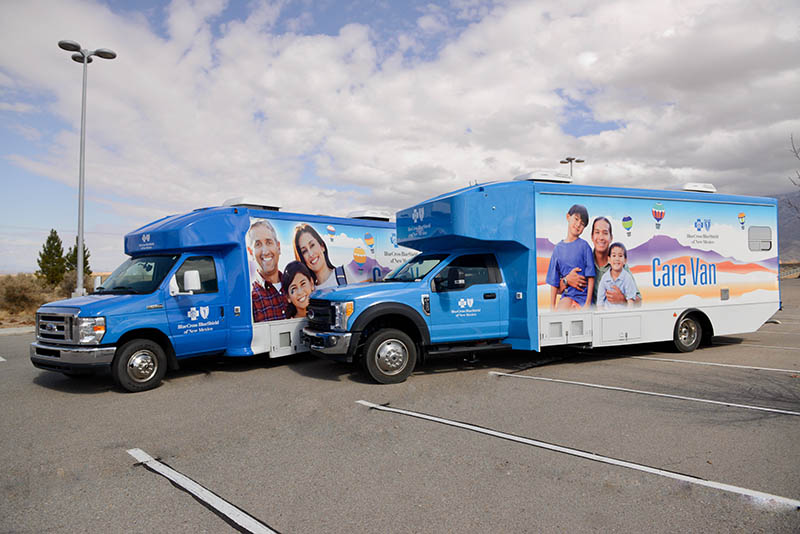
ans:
x=287 y=443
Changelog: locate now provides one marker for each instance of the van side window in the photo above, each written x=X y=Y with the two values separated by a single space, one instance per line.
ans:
x=477 y=269
x=208 y=273
x=759 y=238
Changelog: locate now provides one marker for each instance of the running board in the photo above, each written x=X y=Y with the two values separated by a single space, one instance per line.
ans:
x=456 y=349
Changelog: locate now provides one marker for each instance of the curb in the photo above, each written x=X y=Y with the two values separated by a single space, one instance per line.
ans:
x=16 y=330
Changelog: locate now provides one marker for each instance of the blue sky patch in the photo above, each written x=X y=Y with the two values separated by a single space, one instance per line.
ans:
x=578 y=118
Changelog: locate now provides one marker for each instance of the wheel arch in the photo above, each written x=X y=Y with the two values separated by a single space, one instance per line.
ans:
x=393 y=315
x=705 y=324
x=155 y=335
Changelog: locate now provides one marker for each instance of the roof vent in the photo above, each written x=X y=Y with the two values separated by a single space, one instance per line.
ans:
x=370 y=215
x=545 y=176
x=700 y=188
x=242 y=202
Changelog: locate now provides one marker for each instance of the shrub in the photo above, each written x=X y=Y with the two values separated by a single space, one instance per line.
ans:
x=22 y=292
x=67 y=286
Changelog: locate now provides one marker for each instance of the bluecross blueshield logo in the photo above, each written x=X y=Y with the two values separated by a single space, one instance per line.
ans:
x=145 y=238
x=194 y=313
x=702 y=224
x=417 y=214
x=465 y=303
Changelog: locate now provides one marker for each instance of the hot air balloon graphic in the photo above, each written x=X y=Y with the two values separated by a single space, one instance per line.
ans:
x=370 y=241
x=360 y=257
x=658 y=213
x=741 y=219
x=627 y=223
x=331 y=231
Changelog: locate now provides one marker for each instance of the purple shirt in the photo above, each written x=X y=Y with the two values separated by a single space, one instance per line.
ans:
x=567 y=256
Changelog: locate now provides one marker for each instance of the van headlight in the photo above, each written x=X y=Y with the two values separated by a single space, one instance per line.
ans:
x=341 y=313
x=91 y=330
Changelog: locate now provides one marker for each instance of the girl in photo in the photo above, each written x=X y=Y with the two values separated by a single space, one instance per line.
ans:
x=297 y=283
x=310 y=249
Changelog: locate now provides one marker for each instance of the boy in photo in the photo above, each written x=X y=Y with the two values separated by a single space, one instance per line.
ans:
x=568 y=254
x=617 y=276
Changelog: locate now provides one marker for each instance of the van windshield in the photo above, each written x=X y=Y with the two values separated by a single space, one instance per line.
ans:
x=138 y=275
x=415 y=269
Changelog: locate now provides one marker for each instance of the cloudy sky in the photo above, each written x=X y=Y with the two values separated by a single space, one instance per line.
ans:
x=331 y=106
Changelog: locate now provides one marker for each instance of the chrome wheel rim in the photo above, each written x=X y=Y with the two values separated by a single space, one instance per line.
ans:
x=687 y=332
x=391 y=357
x=142 y=366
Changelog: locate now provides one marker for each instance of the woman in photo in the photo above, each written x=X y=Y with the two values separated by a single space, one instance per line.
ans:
x=297 y=283
x=310 y=249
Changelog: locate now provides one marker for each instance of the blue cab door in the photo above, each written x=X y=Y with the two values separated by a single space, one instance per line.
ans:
x=473 y=310
x=197 y=322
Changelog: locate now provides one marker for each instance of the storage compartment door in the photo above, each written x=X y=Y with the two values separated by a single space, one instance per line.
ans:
x=620 y=329
x=566 y=328
x=285 y=337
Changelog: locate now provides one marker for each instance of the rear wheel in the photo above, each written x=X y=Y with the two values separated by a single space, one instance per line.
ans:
x=688 y=334
x=389 y=356
x=139 y=365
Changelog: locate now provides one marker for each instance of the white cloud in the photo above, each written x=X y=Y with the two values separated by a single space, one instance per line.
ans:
x=17 y=107
x=703 y=91
x=28 y=133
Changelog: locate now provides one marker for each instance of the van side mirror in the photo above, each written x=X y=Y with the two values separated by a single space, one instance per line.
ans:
x=98 y=280
x=191 y=283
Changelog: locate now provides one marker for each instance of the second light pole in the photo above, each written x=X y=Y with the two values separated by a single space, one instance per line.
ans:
x=570 y=160
x=82 y=55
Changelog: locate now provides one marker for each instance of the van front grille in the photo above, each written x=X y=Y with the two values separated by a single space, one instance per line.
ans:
x=54 y=326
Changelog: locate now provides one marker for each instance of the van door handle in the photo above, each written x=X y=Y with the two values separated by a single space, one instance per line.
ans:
x=489 y=296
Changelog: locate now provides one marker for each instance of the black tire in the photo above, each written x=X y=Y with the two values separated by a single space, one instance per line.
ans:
x=389 y=356
x=688 y=334
x=139 y=365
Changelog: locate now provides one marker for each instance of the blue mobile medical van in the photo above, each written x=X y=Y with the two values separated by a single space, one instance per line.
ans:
x=497 y=265
x=230 y=280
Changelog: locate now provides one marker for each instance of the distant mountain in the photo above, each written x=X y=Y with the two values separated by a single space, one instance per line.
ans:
x=662 y=246
x=665 y=247
x=789 y=226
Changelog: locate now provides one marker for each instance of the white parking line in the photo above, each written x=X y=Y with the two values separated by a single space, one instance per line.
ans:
x=222 y=507
x=758 y=496
x=770 y=332
x=794 y=371
x=3 y=359
x=652 y=393
x=755 y=345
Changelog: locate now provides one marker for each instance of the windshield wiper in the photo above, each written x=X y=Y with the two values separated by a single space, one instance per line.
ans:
x=118 y=289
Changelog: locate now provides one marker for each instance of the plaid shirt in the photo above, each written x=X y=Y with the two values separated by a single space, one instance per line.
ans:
x=268 y=303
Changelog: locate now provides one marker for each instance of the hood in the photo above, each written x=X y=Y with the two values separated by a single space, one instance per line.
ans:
x=106 y=304
x=369 y=290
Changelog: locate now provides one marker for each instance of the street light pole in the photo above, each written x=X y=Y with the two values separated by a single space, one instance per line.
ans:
x=570 y=160
x=84 y=56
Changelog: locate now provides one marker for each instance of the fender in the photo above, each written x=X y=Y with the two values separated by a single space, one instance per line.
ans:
x=373 y=311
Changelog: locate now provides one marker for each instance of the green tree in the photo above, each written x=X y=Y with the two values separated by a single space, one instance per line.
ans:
x=72 y=258
x=52 y=264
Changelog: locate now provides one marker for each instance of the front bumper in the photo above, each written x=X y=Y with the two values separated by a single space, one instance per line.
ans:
x=74 y=358
x=330 y=345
